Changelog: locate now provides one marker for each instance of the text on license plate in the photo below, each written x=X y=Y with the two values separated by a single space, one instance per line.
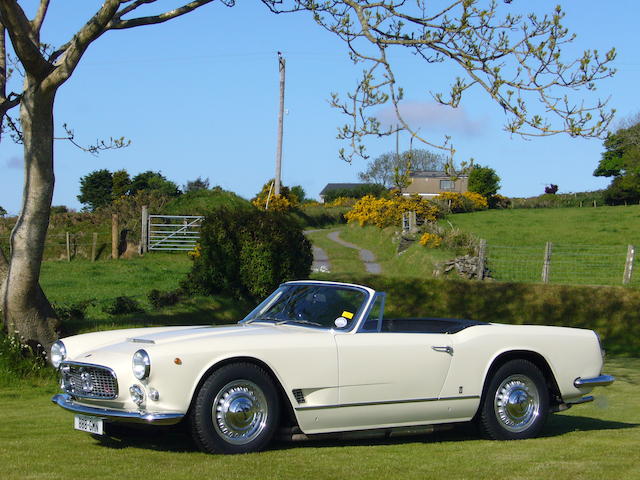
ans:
x=88 y=424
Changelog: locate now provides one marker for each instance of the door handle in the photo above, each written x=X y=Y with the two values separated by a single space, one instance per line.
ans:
x=446 y=349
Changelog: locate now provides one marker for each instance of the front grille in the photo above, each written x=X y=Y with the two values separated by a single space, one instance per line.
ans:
x=88 y=381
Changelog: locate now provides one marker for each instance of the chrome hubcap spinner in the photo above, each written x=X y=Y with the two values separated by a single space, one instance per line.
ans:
x=240 y=412
x=517 y=403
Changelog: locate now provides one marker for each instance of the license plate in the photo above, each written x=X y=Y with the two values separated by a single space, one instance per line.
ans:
x=88 y=424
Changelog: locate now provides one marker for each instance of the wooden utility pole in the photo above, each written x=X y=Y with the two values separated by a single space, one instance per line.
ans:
x=281 y=68
x=115 y=236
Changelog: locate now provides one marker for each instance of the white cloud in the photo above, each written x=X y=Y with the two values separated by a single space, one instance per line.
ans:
x=432 y=116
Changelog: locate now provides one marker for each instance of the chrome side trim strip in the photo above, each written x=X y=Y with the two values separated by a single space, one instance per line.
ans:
x=600 y=381
x=581 y=400
x=387 y=402
x=66 y=401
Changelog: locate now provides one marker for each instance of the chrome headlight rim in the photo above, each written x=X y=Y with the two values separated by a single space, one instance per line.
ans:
x=141 y=364
x=58 y=353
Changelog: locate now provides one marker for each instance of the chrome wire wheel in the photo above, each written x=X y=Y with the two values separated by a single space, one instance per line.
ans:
x=240 y=412
x=517 y=403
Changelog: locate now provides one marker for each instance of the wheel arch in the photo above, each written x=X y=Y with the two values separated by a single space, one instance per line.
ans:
x=537 y=359
x=287 y=413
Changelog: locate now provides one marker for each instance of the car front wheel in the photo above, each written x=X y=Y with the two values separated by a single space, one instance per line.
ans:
x=515 y=404
x=236 y=410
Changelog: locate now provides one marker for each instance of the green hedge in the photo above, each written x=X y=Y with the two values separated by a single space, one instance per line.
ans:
x=613 y=312
x=247 y=252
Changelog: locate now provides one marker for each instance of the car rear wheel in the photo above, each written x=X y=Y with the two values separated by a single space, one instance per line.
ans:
x=236 y=410
x=515 y=404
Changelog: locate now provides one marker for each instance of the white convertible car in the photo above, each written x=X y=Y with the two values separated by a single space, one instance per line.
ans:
x=321 y=357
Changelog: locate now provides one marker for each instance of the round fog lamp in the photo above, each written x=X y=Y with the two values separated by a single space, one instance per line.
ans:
x=137 y=394
x=58 y=353
x=141 y=364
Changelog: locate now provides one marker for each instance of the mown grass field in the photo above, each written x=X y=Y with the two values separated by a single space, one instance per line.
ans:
x=592 y=441
x=589 y=244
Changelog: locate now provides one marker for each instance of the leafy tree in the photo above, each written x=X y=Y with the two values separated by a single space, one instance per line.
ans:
x=515 y=59
x=484 y=180
x=388 y=167
x=121 y=184
x=57 y=209
x=153 y=181
x=299 y=193
x=95 y=189
x=195 y=185
x=3 y=212
x=621 y=160
x=551 y=189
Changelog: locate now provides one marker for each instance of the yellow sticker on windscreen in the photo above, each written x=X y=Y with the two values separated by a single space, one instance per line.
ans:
x=348 y=315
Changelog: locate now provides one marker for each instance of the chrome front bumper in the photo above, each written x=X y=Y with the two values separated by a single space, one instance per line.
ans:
x=600 y=381
x=67 y=402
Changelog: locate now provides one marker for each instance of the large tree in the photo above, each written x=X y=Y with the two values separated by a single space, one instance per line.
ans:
x=621 y=160
x=515 y=59
x=385 y=168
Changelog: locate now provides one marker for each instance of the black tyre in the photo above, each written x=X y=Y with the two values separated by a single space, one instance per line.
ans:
x=515 y=404
x=236 y=410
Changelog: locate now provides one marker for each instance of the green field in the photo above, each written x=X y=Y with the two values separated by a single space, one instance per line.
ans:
x=593 y=441
x=589 y=244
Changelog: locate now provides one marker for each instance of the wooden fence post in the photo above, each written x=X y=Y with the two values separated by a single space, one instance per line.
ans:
x=482 y=252
x=115 y=234
x=546 y=266
x=94 y=244
x=68 y=247
x=144 y=235
x=628 y=266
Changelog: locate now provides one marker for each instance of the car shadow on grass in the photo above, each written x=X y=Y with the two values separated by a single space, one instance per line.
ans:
x=177 y=438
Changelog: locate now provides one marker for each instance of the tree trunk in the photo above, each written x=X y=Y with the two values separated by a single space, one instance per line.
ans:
x=27 y=312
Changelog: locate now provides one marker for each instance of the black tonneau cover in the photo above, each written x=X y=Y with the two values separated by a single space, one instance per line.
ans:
x=427 y=325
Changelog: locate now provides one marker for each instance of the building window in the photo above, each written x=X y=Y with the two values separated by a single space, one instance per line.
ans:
x=447 y=185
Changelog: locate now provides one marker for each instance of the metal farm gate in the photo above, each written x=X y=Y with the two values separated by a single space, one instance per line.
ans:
x=171 y=232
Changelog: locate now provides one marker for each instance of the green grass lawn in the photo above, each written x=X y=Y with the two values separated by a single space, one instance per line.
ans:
x=68 y=283
x=416 y=261
x=589 y=244
x=592 y=441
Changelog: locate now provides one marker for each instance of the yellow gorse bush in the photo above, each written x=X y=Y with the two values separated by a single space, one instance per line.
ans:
x=430 y=240
x=386 y=212
x=277 y=203
x=463 y=202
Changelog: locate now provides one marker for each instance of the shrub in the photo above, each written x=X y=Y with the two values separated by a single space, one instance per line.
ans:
x=462 y=202
x=453 y=238
x=283 y=202
x=387 y=212
x=430 y=240
x=484 y=180
x=159 y=299
x=248 y=253
x=74 y=311
x=623 y=190
x=499 y=201
x=122 y=306
x=360 y=191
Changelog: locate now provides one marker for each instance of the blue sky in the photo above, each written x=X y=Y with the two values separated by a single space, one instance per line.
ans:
x=198 y=96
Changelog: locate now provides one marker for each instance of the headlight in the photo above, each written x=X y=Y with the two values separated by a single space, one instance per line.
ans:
x=141 y=364
x=58 y=353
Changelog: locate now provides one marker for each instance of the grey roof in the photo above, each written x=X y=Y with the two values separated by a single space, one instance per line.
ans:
x=341 y=186
x=432 y=174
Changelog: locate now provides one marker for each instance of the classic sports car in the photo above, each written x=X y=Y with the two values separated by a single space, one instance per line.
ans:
x=320 y=357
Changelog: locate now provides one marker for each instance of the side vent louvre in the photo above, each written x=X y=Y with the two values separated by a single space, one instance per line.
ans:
x=297 y=393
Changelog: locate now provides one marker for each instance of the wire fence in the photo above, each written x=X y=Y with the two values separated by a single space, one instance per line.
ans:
x=72 y=245
x=563 y=264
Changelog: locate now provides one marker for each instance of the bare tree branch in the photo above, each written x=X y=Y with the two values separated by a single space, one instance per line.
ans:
x=24 y=40
x=36 y=23
x=95 y=27
x=118 y=23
